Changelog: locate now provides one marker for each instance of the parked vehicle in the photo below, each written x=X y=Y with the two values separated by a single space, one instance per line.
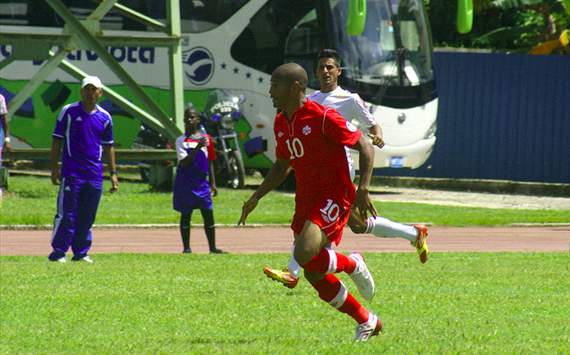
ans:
x=220 y=116
x=385 y=47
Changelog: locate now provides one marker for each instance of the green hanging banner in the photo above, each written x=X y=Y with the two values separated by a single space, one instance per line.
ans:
x=464 y=16
x=356 y=17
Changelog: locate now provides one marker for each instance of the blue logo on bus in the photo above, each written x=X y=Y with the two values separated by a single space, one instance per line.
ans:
x=198 y=65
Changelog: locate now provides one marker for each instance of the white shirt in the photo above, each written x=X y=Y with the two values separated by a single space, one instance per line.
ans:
x=3 y=109
x=348 y=104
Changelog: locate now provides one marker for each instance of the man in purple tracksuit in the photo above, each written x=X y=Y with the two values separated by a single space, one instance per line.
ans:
x=85 y=131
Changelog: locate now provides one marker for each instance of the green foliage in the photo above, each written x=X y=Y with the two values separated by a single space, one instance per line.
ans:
x=500 y=25
x=509 y=4
x=32 y=201
x=469 y=303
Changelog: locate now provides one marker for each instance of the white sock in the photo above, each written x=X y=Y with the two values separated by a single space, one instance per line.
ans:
x=293 y=265
x=385 y=228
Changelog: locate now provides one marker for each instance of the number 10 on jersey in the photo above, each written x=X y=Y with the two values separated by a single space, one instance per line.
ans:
x=295 y=148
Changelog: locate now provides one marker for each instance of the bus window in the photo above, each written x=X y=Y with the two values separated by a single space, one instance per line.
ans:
x=278 y=25
x=14 y=13
x=195 y=15
x=303 y=42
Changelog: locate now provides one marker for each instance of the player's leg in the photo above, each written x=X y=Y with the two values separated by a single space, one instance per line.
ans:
x=1 y=146
x=64 y=220
x=385 y=228
x=184 y=224
x=334 y=292
x=210 y=230
x=328 y=261
x=416 y=234
x=381 y=227
x=311 y=242
x=89 y=197
x=288 y=276
x=331 y=215
x=293 y=266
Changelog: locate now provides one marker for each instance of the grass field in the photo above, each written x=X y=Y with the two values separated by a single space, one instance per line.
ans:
x=32 y=201
x=124 y=303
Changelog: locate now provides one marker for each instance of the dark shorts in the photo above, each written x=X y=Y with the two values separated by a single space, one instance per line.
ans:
x=185 y=203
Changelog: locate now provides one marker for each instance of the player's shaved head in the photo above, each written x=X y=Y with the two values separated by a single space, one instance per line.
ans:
x=289 y=73
x=287 y=89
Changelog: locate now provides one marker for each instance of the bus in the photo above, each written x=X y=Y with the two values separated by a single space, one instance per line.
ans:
x=234 y=45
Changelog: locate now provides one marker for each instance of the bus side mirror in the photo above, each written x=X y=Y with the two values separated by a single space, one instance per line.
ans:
x=356 y=17
x=464 y=16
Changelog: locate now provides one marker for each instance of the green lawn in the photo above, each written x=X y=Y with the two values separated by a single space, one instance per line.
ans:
x=503 y=303
x=32 y=200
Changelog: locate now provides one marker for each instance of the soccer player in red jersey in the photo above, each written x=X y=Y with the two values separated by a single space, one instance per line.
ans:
x=352 y=108
x=310 y=139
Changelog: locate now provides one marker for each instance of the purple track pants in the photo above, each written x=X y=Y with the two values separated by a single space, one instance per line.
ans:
x=77 y=204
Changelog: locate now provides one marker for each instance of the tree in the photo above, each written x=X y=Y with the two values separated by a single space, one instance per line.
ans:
x=501 y=25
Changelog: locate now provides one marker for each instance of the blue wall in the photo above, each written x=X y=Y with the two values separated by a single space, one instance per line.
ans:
x=501 y=117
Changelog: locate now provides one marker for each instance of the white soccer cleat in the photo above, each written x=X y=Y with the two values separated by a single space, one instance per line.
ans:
x=59 y=260
x=368 y=329
x=362 y=277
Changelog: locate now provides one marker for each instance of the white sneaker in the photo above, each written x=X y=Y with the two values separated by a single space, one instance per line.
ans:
x=368 y=329
x=86 y=259
x=60 y=260
x=362 y=277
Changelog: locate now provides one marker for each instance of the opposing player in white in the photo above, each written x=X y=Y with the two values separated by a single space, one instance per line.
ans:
x=351 y=106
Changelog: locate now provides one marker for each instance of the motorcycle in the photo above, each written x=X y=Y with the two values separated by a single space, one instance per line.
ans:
x=220 y=116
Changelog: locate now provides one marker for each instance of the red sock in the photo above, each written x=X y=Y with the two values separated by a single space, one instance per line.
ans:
x=354 y=309
x=328 y=261
x=332 y=291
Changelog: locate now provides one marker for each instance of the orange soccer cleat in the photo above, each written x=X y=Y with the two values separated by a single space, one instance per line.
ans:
x=284 y=276
x=421 y=242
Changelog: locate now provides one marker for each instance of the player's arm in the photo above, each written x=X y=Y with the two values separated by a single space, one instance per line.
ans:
x=6 y=128
x=363 y=115
x=55 y=155
x=362 y=203
x=211 y=173
x=188 y=159
x=212 y=178
x=375 y=133
x=57 y=143
x=274 y=178
x=110 y=153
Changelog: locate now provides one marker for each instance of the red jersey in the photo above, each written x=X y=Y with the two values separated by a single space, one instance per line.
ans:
x=314 y=140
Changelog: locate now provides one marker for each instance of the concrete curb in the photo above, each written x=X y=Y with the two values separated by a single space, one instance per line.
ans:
x=252 y=226
x=475 y=185
x=468 y=185
x=140 y=226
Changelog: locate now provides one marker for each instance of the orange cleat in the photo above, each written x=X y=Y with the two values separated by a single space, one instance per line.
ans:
x=421 y=242
x=284 y=276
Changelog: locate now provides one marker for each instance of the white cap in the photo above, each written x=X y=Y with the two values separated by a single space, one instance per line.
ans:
x=93 y=80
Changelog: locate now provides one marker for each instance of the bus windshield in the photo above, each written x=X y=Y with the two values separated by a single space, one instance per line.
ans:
x=394 y=48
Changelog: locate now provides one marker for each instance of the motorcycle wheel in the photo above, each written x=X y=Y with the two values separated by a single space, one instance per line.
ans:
x=236 y=173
